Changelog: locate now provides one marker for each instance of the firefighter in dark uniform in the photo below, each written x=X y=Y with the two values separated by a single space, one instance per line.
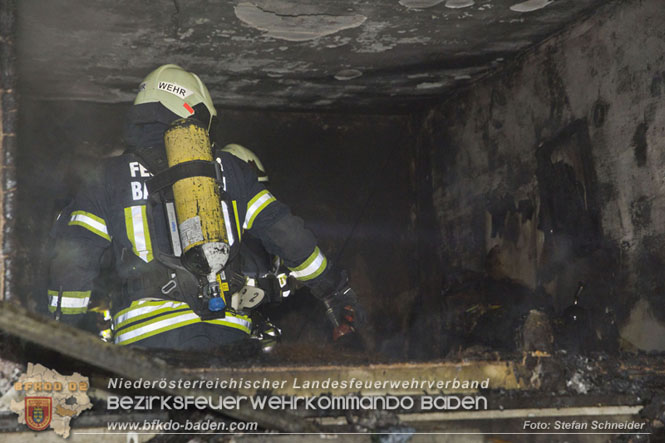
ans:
x=258 y=265
x=161 y=303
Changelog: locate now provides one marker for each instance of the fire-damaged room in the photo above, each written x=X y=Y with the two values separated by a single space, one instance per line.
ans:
x=281 y=220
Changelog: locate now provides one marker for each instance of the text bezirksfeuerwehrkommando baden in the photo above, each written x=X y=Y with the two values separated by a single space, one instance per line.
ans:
x=282 y=402
x=285 y=402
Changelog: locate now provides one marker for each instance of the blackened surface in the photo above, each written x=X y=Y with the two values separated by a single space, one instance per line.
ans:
x=526 y=209
x=558 y=98
x=657 y=85
x=425 y=334
x=570 y=212
x=640 y=213
x=449 y=169
x=650 y=262
x=60 y=144
x=499 y=207
x=600 y=109
x=607 y=192
x=407 y=57
x=9 y=128
x=7 y=17
x=9 y=107
x=486 y=313
x=9 y=145
x=640 y=144
x=594 y=196
x=347 y=176
x=574 y=249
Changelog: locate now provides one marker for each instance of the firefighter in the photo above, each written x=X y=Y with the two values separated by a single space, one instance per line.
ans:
x=163 y=302
x=259 y=265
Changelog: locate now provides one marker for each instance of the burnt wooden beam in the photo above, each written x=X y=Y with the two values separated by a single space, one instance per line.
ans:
x=374 y=379
x=8 y=125
x=130 y=363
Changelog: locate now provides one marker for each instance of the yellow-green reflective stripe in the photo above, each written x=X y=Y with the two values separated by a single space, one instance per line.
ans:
x=241 y=322
x=235 y=214
x=225 y=322
x=136 y=222
x=139 y=332
x=73 y=302
x=174 y=321
x=91 y=222
x=73 y=294
x=70 y=299
x=255 y=206
x=312 y=267
x=140 y=307
x=141 y=303
x=151 y=313
x=69 y=311
x=156 y=320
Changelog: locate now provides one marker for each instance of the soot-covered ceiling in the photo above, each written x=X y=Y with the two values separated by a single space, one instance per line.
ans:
x=280 y=54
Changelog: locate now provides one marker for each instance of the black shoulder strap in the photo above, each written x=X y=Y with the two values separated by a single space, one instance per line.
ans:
x=153 y=158
x=194 y=168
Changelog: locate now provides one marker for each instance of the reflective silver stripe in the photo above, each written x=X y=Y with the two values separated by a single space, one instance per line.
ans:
x=173 y=229
x=227 y=223
x=166 y=323
x=255 y=206
x=175 y=322
x=69 y=302
x=221 y=167
x=133 y=312
x=139 y=235
x=91 y=222
x=154 y=316
x=312 y=267
x=137 y=231
x=245 y=324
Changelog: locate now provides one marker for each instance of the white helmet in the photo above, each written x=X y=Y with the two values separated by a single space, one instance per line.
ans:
x=248 y=157
x=181 y=92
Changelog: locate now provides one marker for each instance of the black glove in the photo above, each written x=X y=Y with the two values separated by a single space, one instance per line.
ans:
x=340 y=301
x=344 y=311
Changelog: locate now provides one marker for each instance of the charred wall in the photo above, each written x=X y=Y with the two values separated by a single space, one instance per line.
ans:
x=551 y=172
x=8 y=130
x=539 y=177
x=346 y=175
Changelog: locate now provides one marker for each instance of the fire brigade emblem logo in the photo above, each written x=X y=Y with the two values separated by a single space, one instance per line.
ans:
x=47 y=399
x=38 y=412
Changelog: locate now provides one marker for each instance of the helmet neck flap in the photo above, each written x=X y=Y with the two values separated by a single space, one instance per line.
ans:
x=166 y=94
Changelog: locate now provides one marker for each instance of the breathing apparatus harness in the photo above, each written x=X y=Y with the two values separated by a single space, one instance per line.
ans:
x=202 y=270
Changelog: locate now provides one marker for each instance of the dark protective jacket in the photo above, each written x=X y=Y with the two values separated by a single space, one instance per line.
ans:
x=111 y=211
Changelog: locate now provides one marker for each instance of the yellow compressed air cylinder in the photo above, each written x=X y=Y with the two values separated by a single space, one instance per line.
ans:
x=197 y=199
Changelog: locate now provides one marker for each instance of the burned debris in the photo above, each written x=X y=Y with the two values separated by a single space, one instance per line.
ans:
x=489 y=173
